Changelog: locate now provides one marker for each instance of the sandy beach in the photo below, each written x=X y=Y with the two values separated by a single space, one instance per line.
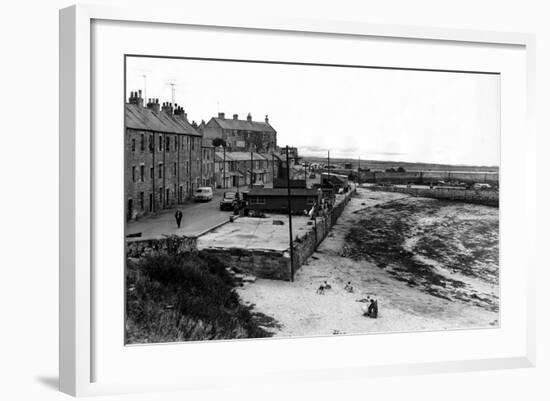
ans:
x=415 y=290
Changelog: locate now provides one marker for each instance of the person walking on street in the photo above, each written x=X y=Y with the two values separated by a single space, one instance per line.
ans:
x=179 y=216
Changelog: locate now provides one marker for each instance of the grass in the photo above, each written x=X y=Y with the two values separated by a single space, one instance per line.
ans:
x=185 y=297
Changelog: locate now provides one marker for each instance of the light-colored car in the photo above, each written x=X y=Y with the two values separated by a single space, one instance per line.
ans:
x=203 y=194
x=481 y=185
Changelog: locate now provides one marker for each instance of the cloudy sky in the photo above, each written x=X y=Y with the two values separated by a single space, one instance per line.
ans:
x=375 y=114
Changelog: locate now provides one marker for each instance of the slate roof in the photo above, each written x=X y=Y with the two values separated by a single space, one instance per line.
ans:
x=239 y=156
x=283 y=192
x=243 y=125
x=144 y=119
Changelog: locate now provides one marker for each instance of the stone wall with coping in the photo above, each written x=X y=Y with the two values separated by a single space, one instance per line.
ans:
x=136 y=248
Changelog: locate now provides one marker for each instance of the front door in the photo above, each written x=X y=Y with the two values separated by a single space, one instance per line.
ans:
x=130 y=208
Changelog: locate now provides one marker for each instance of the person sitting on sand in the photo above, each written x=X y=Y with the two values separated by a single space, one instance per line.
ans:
x=372 y=310
x=327 y=285
x=348 y=287
x=321 y=289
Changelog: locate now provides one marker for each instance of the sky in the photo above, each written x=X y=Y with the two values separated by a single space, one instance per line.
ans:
x=372 y=114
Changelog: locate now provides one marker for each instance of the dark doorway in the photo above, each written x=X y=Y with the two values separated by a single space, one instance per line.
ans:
x=130 y=209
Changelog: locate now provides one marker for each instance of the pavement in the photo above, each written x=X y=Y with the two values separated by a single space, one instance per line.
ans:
x=255 y=233
x=197 y=217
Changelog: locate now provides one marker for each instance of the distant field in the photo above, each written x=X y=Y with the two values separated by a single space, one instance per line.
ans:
x=383 y=165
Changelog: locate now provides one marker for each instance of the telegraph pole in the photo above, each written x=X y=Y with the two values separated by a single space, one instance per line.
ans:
x=223 y=185
x=251 y=166
x=289 y=200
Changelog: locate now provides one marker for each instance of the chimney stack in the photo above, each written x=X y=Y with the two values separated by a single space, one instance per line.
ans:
x=235 y=116
x=135 y=98
x=179 y=111
x=153 y=104
x=266 y=119
x=221 y=115
x=167 y=107
x=249 y=117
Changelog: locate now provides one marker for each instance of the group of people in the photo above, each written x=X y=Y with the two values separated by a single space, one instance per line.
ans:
x=370 y=310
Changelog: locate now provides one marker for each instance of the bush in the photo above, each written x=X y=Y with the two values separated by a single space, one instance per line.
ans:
x=184 y=297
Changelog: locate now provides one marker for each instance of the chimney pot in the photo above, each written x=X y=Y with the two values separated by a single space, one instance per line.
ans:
x=221 y=115
x=235 y=116
x=267 y=119
x=249 y=117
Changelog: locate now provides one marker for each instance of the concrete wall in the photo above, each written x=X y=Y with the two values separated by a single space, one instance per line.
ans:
x=483 y=197
x=422 y=177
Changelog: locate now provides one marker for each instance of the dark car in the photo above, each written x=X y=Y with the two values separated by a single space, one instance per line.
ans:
x=228 y=201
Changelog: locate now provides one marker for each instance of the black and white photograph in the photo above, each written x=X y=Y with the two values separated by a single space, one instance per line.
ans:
x=278 y=199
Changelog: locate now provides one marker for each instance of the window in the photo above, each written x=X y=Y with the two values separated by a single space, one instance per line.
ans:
x=167 y=196
x=192 y=144
x=151 y=144
x=257 y=200
x=160 y=170
x=142 y=200
x=142 y=173
x=133 y=173
x=175 y=169
x=142 y=145
x=133 y=145
x=152 y=172
x=168 y=144
x=160 y=143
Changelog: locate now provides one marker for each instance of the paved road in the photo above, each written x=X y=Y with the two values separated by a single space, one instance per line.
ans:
x=197 y=217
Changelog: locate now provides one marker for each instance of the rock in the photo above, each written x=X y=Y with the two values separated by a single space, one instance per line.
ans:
x=238 y=276
x=249 y=279
x=278 y=223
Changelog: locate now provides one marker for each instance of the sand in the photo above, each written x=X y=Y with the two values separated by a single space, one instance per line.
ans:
x=300 y=311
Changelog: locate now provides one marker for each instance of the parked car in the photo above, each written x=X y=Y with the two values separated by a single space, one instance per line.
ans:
x=228 y=201
x=481 y=185
x=203 y=194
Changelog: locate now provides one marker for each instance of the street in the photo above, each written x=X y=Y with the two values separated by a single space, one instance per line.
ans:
x=197 y=217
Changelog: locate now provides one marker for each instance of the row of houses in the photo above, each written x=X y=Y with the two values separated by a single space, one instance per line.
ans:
x=167 y=157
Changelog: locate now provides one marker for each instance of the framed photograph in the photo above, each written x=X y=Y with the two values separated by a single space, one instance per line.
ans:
x=281 y=199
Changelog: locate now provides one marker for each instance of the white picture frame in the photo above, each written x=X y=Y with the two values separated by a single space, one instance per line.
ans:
x=78 y=217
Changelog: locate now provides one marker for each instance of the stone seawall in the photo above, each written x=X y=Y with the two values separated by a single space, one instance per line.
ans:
x=307 y=244
x=425 y=177
x=481 y=197
x=258 y=262
x=171 y=245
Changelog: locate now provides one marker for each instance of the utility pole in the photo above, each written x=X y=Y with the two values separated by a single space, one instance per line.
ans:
x=328 y=166
x=289 y=200
x=359 y=170
x=223 y=185
x=273 y=169
x=251 y=166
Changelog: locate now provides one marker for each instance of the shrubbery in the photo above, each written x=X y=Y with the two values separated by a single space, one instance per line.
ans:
x=184 y=297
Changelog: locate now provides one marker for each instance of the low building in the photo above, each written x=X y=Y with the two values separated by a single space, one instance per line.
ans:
x=275 y=200
x=335 y=181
